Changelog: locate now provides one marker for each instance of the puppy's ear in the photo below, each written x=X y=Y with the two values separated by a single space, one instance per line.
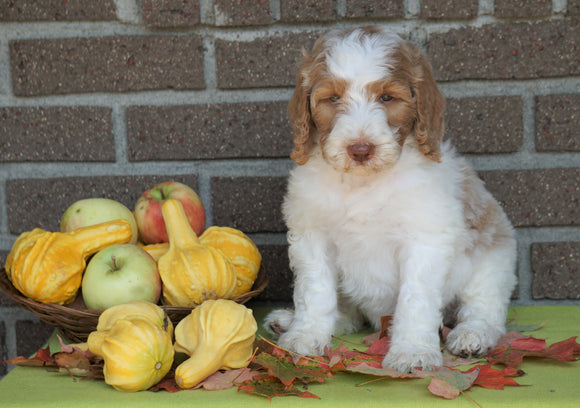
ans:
x=300 y=117
x=429 y=125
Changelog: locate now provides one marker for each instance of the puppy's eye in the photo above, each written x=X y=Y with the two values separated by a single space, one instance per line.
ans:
x=385 y=98
x=334 y=98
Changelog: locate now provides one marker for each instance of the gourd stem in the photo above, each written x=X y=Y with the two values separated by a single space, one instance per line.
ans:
x=93 y=238
x=179 y=231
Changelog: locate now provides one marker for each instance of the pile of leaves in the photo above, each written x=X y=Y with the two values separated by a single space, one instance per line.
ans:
x=275 y=372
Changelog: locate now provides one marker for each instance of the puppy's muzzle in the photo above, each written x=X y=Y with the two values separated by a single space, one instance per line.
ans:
x=361 y=152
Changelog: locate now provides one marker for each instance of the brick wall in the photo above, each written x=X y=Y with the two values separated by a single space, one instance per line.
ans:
x=103 y=99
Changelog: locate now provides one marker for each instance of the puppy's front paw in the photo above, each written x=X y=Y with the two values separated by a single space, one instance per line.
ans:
x=407 y=357
x=278 y=321
x=304 y=342
x=473 y=338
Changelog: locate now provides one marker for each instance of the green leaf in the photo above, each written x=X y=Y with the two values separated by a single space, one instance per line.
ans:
x=270 y=387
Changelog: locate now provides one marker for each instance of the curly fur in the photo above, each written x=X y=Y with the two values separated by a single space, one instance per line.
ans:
x=384 y=218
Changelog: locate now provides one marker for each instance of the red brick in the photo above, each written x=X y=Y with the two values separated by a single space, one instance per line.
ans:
x=3 y=352
x=5 y=301
x=276 y=265
x=485 y=124
x=292 y=11
x=33 y=203
x=375 y=8
x=42 y=134
x=506 y=50
x=557 y=123
x=31 y=335
x=242 y=12
x=573 y=7
x=57 y=10
x=522 y=8
x=448 y=9
x=171 y=13
x=264 y=62
x=537 y=198
x=106 y=64
x=219 y=131
x=251 y=204
x=556 y=270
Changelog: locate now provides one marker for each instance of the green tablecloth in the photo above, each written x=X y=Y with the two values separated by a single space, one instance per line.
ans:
x=551 y=383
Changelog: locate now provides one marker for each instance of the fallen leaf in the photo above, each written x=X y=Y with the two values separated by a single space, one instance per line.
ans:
x=449 y=383
x=222 y=380
x=380 y=347
x=42 y=358
x=513 y=354
x=495 y=379
x=287 y=372
x=270 y=387
x=372 y=369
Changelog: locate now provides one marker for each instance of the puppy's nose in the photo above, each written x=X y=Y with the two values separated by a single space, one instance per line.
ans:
x=360 y=152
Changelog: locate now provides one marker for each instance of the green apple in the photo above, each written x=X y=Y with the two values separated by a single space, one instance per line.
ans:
x=119 y=274
x=92 y=211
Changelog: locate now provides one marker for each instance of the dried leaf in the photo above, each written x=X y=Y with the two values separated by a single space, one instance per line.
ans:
x=288 y=372
x=76 y=362
x=222 y=380
x=449 y=383
x=167 y=384
x=380 y=347
x=372 y=369
x=513 y=354
x=270 y=387
x=42 y=358
x=495 y=379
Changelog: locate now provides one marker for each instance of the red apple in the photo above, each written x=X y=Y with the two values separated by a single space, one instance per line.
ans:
x=148 y=210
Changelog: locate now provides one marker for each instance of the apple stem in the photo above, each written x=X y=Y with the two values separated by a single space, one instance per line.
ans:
x=162 y=191
x=114 y=260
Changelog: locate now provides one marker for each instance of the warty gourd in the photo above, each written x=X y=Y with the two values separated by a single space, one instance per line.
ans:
x=48 y=266
x=219 y=334
x=137 y=353
x=191 y=271
x=241 y=250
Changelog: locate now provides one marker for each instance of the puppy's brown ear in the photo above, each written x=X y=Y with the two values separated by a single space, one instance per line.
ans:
x=429 y=126
x=300 y=118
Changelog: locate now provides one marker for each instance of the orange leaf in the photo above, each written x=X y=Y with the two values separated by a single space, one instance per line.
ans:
x=492 y=378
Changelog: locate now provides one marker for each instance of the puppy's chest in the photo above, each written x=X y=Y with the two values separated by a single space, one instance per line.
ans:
x=362 y=211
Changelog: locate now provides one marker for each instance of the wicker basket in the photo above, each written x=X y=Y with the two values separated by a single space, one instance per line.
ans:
x=76 y=325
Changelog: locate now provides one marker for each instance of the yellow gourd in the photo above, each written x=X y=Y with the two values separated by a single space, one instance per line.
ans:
x=219 y=334
x=191 y=272
x=137 y=354
x=156 y=250
x=48 y=266
x=128 y=311
x=241 y=250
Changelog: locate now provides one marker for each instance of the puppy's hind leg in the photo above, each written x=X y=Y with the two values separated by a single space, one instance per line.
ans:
x=484 y=302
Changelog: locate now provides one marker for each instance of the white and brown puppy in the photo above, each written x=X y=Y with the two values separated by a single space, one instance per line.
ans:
x=383 y=217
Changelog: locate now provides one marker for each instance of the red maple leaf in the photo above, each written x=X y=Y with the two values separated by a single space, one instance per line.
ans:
x=42 y=358
x=495 y=379
x=512 y=355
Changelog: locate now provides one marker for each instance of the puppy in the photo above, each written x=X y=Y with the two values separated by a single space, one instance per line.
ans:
x=383 y=218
